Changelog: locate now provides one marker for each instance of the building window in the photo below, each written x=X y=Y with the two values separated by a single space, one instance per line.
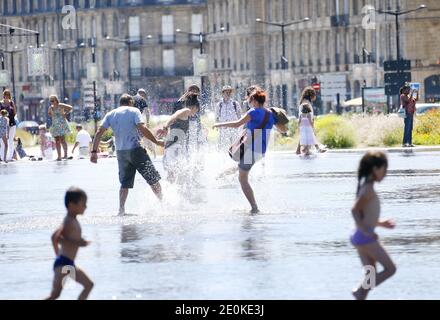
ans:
x=196 y=25
x=135 y=63
x=167 y=28
x=115 y=25
x=134 y=31
x=168 y=61
x=104 y=31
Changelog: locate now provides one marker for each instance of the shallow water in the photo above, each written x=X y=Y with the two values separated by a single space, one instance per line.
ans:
x=208 y=246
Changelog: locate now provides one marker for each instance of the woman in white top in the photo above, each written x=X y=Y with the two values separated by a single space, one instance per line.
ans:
x=307 y=98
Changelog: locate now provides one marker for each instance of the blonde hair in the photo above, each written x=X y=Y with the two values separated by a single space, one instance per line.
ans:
x=54 y=97
x=7 y=93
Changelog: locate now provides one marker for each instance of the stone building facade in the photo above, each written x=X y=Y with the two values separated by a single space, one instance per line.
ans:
x=158 y=63
x=330 y=43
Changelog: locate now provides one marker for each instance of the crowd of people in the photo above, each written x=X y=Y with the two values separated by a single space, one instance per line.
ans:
x=246 y=147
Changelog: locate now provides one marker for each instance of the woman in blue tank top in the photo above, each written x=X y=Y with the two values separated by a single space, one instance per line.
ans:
x=259 y=122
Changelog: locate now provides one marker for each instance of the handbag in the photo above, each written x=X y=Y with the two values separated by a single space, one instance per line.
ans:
x=401 y=112
x=238 y=148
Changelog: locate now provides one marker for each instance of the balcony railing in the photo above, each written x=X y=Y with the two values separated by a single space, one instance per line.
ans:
x=167 y=38
x=340 y=20
x=19 y=11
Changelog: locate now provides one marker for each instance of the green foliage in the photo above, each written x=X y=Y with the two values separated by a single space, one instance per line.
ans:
x=427 y=129
x=335 y=132
x=392 y=138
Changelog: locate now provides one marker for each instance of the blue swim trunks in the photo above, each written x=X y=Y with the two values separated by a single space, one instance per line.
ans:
x=62 y=261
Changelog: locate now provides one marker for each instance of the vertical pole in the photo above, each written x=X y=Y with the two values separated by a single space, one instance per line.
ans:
x=2 y=57
x=202 y=79
x=95 y=104
x=13 y=77
x=363 y=99
x=397 y=37
x=64 y=74
x=129 y=66
x=283 y=38
x=283 y=67
x=38 y=39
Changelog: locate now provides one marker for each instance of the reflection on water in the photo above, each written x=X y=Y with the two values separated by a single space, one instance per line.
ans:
x=135 y=250
x=201 y=243
x=254 y=245
x=421 y=194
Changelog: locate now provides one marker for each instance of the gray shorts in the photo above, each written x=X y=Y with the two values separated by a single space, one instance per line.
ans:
x=249 y=160
x=137 y=159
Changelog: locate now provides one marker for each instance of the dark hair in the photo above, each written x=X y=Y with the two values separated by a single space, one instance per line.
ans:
x=259 y=96
x=126 y=100
x=405 y=87
x=308 y=93
x=306 y=108
x=190 y=91
x=4 y=113
x=371 y=160
x=74 y=195
x=192 y=101
x=251 y=89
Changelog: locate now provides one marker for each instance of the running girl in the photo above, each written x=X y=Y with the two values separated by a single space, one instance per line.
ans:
x=366 y=212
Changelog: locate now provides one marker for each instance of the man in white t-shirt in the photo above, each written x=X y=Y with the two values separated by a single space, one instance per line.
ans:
x=83 y=140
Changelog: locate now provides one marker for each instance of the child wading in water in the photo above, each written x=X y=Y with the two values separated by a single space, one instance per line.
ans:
x=68 y=235
x=366 y=212
x=4 y=130
x=306 y=129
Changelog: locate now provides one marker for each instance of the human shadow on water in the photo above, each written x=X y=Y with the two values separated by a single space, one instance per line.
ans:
x=7 y=169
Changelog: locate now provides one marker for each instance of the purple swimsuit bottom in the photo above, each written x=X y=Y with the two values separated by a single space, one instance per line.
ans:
x=359 y=238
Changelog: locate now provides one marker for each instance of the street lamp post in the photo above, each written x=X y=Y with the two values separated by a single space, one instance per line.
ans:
x=95 y=98
x=24 y=33
x=63 y=70
x=284 y=61
x=202 y=36
x=396 y=15
x=2 y=58
x=128 y=43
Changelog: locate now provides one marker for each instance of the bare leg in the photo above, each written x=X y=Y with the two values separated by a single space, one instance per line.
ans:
x=298 y=149
x=85 y=281
x=378 y=253
x=64 y=144
x=5 y=142
x=361 y=293
x=247 y=189
x=123 y=194
x=58 y=147
x=57 y=285
x=371 y=253
x=307 y=150
x=157 y=189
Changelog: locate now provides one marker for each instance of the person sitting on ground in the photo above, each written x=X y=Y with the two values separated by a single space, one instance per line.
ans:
x=84 y=141
x=47 y=145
